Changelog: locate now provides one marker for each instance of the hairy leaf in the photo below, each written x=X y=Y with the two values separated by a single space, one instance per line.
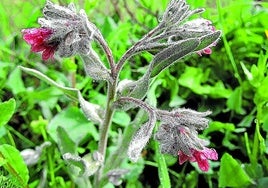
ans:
x=170 y=55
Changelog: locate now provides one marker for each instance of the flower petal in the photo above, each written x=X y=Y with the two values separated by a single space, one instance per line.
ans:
x=48 y=53
x=210 y=153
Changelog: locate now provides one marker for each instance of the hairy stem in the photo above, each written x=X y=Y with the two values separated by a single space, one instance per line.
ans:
x=114 y=159
x=105 y=127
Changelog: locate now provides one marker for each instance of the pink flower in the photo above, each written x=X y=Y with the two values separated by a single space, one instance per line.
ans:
x=201 y=157
x=38 y=39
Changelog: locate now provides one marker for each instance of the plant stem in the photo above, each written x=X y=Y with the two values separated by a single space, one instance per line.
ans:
x=114 y=159
x=105 y=127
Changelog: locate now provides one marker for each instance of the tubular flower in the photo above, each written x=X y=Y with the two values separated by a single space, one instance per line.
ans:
x=38 y=39
x=201 y=157
x=62 y=30
x=178 y=136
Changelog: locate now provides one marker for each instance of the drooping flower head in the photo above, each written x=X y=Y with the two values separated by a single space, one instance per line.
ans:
x=178 y=136
x=175 y=17
x=62 y=30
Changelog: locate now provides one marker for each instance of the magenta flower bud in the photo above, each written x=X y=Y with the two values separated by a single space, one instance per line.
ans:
x=38 y=39
x=62 y=30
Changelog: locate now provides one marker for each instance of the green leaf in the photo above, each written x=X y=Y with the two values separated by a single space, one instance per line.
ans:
x=121 y=118
x=254 y=171
x=70 y=92
x=74 y=123
x=234 y=102
x=231 y=173
x=65 y=143
x=7 y=110
x=152 y=94
x=162 y=167
x=193 y=78
x=261 y=93
x=15 y=82
x=170 y=55
x=219 y=126
x=12 y=161
x=263 y=182
x=207 y=40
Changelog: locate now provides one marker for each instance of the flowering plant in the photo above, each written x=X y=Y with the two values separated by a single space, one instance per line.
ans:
x=67 y=33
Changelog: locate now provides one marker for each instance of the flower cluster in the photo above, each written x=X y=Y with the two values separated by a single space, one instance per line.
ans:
x=174 y=28
x=178 y=136
x=62 y=30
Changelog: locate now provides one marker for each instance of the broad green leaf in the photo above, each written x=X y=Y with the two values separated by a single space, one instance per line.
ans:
x=234 y=102
x=7 y=110
x=15 y=82
x=70 y=92
x=170 y=55
x=121 y=118
x=65 y=143
x=254 y=171
x=261 y=93
x=193 y=78
x=75 y=124
x=219 y=126
x=231 y=173
x=12 y=161
x=263 y=182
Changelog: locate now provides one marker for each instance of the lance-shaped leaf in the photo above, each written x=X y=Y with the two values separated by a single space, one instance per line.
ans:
x=170 y=55
x=92 y=111
x=70 y=92
x=152 y=47
x=94 y=67
x=141 y=138
x=207 y=40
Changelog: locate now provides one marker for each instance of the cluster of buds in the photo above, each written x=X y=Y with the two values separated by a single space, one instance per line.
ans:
x=175 y=28
x=62 y=30
x=178 y=136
